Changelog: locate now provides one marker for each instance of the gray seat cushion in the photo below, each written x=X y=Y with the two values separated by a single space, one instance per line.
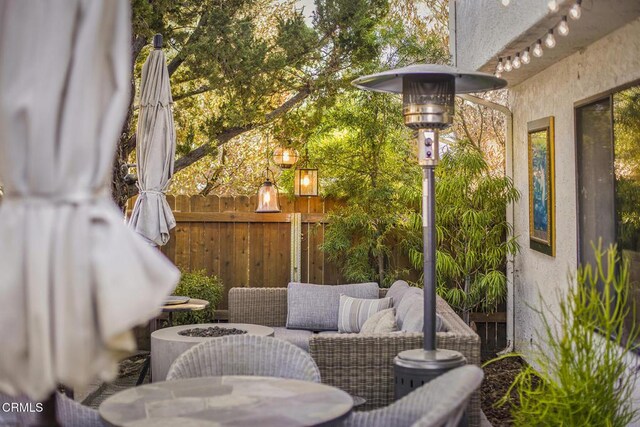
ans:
x=297 y=337
x=409 y=297
x=315 y=307
x=397 y=291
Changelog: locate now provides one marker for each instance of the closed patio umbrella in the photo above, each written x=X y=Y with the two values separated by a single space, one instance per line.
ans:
x=155 y=150
x=74 y=279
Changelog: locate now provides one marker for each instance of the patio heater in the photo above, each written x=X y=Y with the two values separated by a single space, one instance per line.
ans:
x=428 y=93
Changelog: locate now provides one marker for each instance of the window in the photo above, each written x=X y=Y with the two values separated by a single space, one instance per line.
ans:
x=608 y=148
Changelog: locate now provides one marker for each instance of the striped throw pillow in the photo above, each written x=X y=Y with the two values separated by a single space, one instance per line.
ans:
x=354 y=312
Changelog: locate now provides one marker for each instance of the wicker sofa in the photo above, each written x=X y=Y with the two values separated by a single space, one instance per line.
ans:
x=362 y=365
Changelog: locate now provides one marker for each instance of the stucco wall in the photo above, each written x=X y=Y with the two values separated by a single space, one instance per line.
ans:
x=485 y=27
x=606 y=64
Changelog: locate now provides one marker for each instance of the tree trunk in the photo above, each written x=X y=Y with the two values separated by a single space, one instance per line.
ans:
x=465 y=311
x=120 y=191
x=381 y=268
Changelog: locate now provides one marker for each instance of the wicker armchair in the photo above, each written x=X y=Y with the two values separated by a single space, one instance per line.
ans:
x=361 y=365
x=245 y=355
x=68 y=412
x=440 y=402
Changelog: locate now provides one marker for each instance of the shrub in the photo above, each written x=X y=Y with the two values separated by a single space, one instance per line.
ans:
x=583 y=377
x=197 y=284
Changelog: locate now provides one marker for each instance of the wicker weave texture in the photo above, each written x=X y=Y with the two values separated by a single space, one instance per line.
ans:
x=245 y=355
x=441 y=402
x=362 y=365
x=359 y=364
x=260 y=306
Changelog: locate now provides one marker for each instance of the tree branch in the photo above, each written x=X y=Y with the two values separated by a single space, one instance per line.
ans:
x=138 y=44
x=464 y=126
x=201 y=89
x=180 y=57
x=230 y=133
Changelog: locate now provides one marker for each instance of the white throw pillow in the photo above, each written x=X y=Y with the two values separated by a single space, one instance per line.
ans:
x=383 y=322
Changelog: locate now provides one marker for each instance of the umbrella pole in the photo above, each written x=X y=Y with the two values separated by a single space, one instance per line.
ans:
x=48 y=415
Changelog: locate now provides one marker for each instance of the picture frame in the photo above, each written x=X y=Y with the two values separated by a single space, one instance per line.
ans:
x=541 y=162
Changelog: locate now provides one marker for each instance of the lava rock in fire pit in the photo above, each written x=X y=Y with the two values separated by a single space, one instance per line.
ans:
x=212 y=332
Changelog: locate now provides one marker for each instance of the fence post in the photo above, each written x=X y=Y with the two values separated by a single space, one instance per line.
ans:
x=296 y=247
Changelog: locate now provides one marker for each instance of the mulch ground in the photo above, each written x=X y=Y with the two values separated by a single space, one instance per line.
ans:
x=498 y=377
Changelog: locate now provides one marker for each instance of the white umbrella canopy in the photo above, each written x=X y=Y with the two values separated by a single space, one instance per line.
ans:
x=74 y=279
x=155 y=151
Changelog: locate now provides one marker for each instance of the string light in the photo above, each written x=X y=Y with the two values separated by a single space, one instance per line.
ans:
x=524 y=57
x=563 y=27
x=537 y=49
x=516 y=61
x=576 y=11
x=550 y=40
x=507 y=65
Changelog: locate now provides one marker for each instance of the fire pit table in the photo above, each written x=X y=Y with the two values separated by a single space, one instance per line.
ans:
x=167 y=344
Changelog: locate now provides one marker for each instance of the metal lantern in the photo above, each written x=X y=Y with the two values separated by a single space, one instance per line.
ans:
x=428 y=93
x=285 y=157
x=305 y=182
x=305 y=178
x=268 y=198
x=268 y=192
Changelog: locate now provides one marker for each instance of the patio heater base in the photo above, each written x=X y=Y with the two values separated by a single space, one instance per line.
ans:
x=414 y=368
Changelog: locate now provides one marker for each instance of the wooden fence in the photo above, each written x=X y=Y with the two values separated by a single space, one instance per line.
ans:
x=492 y=329
x=225 y=237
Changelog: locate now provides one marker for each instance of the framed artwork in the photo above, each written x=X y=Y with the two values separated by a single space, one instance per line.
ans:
x=541 y=186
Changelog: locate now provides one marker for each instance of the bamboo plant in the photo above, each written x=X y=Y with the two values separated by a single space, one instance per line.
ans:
x=472 y=231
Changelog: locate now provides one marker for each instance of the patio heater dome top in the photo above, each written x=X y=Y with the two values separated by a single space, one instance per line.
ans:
x=465 y=81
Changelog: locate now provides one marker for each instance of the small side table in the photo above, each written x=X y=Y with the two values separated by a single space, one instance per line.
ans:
x=192 y=305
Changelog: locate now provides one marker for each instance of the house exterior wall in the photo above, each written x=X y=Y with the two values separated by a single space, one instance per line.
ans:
x=606 y=64
x=485 y=28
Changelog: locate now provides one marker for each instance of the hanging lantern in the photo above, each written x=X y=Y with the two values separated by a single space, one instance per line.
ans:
x=305 y=178
x=305 y=182
x=285 y=157
x=268 y=192
x=268 y=198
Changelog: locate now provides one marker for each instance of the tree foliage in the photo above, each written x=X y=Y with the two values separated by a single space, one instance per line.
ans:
x=365 y=154
x=626 y=110
x=471 y=230
x=256 y=59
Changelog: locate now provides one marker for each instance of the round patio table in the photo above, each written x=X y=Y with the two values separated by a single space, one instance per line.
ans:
x=227 y=401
